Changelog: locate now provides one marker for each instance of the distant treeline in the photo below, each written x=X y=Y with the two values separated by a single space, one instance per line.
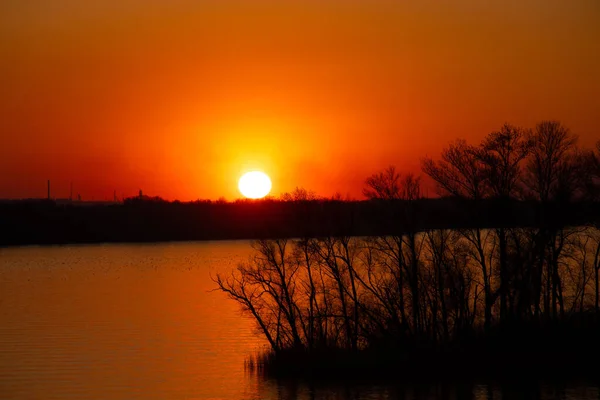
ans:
x=514 y=178
x=144 y=220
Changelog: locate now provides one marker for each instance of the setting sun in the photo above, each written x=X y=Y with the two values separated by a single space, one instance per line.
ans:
x=255 y=185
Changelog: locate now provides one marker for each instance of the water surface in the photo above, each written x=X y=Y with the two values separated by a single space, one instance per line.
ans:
x=141 y=322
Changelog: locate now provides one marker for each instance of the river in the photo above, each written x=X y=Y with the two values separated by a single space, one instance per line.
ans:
x=142 y=322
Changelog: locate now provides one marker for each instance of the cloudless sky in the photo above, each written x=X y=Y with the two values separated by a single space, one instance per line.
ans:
x=179 y=98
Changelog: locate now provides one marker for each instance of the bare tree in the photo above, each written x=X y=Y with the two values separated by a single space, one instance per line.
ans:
x=551 y=143
x=299 y=194
x=305 y=255
x=266 y=288
x=385 y=185
x=342 y=292
x=424 y=287
x=580 y=260
x=548 y=176
x=390 y=185
x=591 y=171
x=251 y=297
x=501 y=154
x=594 y=235
x=437 y=242
x=460 y=172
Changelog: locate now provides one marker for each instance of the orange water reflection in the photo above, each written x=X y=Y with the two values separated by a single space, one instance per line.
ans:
x=140 y=322
x=122 y=322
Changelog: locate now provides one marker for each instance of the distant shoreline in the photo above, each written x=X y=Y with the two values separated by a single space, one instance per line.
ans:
x=151 y=221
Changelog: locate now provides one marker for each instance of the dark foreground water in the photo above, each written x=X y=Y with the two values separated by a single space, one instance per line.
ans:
x=140 y=322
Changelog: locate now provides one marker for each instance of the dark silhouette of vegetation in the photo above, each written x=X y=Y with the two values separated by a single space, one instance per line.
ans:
x=413 y=296
x=154 y=220
x=502 y=270
x=451 y=386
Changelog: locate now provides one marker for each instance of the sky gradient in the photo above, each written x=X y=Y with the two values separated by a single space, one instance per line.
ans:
x=180 y=99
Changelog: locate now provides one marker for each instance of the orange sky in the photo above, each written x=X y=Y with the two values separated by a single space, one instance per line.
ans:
x=179 y=99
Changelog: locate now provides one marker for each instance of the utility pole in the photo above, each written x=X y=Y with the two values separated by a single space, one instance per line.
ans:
x=48 y=189
x=71 y=193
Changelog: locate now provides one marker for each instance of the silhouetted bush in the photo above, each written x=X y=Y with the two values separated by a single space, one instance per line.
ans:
x=513 y=285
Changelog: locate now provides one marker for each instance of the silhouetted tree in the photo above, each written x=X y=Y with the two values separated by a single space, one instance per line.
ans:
x=460 y=172
x=385 y=185
x=401 y=194
x=299 y=194
x=501 y=154
x=591 y=166
x=551 y=146
x=550 y=177
x=425 y=285
x=591 y=183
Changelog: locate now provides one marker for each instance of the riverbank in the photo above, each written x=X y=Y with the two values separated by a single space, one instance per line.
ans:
x=138 y=220
x=569 y=349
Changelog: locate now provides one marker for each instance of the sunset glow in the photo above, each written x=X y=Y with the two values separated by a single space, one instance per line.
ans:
x=122 y=96
x=400 y=198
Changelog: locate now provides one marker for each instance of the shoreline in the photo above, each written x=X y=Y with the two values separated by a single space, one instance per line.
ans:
x=140 y=221
x=542 y=349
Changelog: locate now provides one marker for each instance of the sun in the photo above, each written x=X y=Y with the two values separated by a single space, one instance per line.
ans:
x=255 y=185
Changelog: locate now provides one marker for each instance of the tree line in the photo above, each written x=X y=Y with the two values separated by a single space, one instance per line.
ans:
x=438 y=286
